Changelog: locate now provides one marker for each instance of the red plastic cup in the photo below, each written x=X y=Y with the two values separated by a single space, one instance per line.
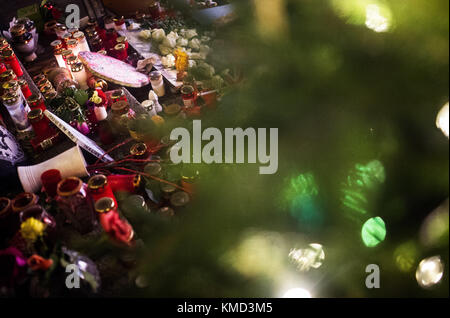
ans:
x=50 y=180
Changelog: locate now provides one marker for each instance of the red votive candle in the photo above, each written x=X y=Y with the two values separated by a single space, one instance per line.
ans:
x=10 y=59
x=125 y=183
x=25 y=88
x=99 y=188
x=36 y=101
x=50 y=180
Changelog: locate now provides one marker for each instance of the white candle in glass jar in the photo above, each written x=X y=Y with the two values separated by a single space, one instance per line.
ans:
x=80 y=75
x=157 y=83
x=83 y=45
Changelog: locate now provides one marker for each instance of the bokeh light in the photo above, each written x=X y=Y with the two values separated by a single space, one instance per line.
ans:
x=405 y=256
x=442 y=119
x=374 y=14
x=301 y=197
x=430 y=271
x=259 y=253
x=311 y=257
x=377 y=18
x=435 y=229
x=373 y=232
x=297 y=293
x=361 y=178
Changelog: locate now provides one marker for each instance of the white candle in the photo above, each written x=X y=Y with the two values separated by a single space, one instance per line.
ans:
x=80 y=75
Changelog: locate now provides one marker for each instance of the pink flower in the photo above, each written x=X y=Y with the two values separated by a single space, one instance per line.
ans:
x=83 y=128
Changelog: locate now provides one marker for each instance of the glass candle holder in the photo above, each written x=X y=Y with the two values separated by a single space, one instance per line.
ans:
x=10 y=59
x=72 y=45
x=118 y=95
x=36 y=101
x=39 y=122
x=119 y=24
x=25 y=88
x=157 y=82
x=99 y=188
x=50 y=180
x=120 y=52
x=58 y=47
x=123 y=40
x=16 y=109
x=189 y=95
x=60 y=30
x=83 y=45
x=65 y=55
x=65 y=38
x=80 y=75
x=125 y=183
x=23 y=201
x=73 y=201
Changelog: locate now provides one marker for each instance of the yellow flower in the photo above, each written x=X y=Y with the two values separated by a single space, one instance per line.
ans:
x=31 y=229
x=96 y=99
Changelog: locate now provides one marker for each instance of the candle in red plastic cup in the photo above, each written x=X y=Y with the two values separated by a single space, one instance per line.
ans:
x=50 y=180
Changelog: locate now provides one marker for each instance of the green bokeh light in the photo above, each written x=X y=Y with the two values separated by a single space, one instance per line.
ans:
x=373 y=232
x=361 y=179
x=301 y=197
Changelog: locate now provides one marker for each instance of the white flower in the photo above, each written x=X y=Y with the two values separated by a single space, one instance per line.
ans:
x=158 y=35
x=205 y=49
x=173 y=35
x=145 y=34
x=205 y=38
x=182 y=42
x=194 y=44
x=192 y=63
x=168 y=61
x=189 y=34
x=165 y=50
x=197 y=56
x=169 y=42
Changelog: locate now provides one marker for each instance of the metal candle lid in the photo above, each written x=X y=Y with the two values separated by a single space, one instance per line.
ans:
x=72 y=43
x=138 y=149
x=8 y=53
x=10 y=98
x=12 y=85
x=121 y=39
x=97 y=182
x=34 y=99
x=155 y=75
x=66 y=53
x=119 y=47
x=104 y=205
x=77 y=67
x=35 y=115
x=153 y=169
x=179 y=199
x=78 y=35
